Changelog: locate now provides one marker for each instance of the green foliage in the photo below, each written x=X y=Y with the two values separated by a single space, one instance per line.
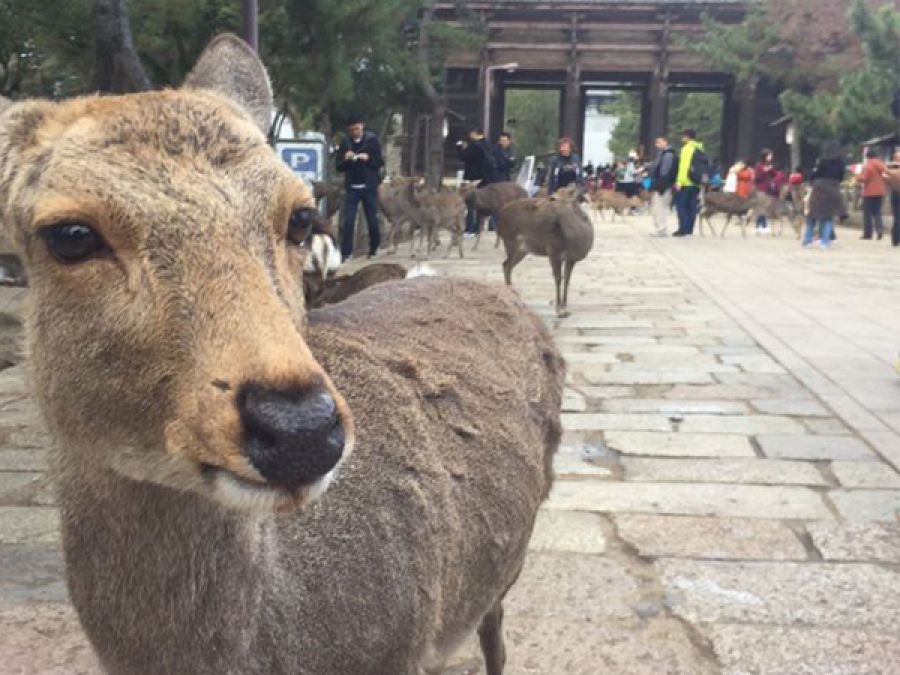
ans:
x=627 y=133
x=700 y=111
x=740 y=49
x=533 y=118
x=860 y=107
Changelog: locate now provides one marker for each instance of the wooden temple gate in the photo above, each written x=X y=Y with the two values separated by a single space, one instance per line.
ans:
x=578 y=45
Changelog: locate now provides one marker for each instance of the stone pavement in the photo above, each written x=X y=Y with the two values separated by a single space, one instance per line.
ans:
x=728 y=490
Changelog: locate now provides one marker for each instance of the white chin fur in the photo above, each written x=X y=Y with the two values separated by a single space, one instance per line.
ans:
x=242 y=495
x=323 y=257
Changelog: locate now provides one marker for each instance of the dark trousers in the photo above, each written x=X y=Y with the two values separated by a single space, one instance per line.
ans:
x=895 y=208
x=369 y=199
x=687 y=204
x=872 y=216
x=471 y=220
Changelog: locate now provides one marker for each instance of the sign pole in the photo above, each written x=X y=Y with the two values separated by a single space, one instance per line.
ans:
x=250 y=23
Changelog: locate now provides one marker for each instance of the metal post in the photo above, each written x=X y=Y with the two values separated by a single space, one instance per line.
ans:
x=250 y=23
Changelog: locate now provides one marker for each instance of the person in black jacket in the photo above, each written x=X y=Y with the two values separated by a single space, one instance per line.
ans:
x=477 y=157
x=360 y=160
x=565 y=169
x=826 y=201
x=505 y=158
x=663 y=173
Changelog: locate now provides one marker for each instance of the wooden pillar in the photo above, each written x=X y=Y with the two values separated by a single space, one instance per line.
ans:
x=730 y=109
x=572 y=92
x=658 y=103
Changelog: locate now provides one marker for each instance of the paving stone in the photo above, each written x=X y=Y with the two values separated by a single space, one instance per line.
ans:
x=23 y=459
x=730 y=392
x=564 y=532
x=573 y=401
x=675 y=366
x=665 y=359
x=828 y=427
x=734 y=501
x=678 y=444
x=13 y=481
x=669 y=407
x=784 y=593
x=709 y=538
x=865 y=475
x=44 y=639
x=881 y=505
x=31 y=573
x=603 y=422
x=542 y=646
x=814 y=447
x=648 y=377
x=790 y=407
x=567 y=464
x=745 y=471
x=774 y=650
x=745 y=424
x=584 y=588
x=22 y=525
x=754 y=364
x=857 y=542
x=607 y=392
x=583 y=360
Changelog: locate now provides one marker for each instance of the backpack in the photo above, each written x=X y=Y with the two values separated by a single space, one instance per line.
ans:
x=700 y=169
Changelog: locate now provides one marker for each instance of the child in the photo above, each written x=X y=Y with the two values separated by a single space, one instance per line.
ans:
x=746 y=178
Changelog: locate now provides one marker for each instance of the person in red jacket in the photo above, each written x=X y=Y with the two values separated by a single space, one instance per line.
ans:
x=764 y=179
x=874 y=189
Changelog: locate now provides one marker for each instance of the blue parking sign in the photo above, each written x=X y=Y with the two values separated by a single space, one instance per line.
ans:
x=305 y=158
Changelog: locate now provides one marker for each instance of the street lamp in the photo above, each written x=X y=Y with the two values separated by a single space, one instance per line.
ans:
x=509 y=68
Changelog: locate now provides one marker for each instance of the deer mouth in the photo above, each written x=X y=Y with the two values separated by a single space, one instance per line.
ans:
x=240 y=493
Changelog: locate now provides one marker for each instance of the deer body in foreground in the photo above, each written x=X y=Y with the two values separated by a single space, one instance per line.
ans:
x=201 y=414
x=555 y=227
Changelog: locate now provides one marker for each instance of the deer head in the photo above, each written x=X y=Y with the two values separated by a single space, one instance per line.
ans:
x=163 y=248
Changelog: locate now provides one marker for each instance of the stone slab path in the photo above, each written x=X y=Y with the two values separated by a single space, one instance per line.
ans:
x=728 y=491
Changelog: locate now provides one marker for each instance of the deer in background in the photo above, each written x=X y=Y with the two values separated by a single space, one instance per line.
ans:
x=489 y=201
x=247 y=488
x=554 y=227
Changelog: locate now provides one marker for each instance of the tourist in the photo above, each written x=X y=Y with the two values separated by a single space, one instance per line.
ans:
x=359 y=158
x=504 y=158
x=764 y=181
x=608 y=178
x=874 y=189
x=630 y=184
x=893 y=175
x=745 y=180
x=826 y=202
x=691 y=168
x=477 y=157
x=565 y=170
x=663 y=173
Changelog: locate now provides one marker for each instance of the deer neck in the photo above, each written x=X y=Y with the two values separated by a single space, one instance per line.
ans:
x=149 y=567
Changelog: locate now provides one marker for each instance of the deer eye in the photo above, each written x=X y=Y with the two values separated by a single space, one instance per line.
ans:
x=73 y=242
x=300 y=226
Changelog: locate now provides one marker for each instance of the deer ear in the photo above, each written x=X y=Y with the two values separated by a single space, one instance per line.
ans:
x=228 y=66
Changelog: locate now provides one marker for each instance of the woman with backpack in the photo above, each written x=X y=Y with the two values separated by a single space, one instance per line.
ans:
x=765 y=174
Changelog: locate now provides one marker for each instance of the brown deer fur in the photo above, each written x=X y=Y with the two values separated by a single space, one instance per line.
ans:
x=489 y=201
x=321 y=292
x=555 y=227
x=181 y=558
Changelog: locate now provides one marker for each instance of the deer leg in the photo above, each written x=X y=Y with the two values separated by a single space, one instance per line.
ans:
x=514 y=255
x=567 y=278
x=490 y=635
x=479 y=228
x=556 y=265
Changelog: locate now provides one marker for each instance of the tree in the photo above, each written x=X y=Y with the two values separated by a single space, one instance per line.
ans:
x=626 y=135
x=700 y=111
x=118 y=68
x=533 y=116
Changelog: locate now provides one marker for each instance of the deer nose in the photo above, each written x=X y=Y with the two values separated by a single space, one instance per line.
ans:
x=292 y=437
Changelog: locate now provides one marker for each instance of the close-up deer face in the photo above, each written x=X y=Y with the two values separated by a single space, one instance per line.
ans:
x=164 y=245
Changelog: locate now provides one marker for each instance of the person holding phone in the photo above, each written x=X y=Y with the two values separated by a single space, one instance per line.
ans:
x=359 y=158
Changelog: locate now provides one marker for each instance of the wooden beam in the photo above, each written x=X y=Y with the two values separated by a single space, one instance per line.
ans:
x=583 y=25
x=565 y=47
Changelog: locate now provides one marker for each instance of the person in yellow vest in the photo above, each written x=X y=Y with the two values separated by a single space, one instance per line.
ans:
x=691 y=163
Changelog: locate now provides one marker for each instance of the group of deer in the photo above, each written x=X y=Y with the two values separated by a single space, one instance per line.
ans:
x=248 y=487
x=789 y=205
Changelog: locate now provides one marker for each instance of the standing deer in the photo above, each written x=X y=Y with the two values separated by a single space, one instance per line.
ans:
x=489 y=201
x=555 y=227
x=200 y=413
